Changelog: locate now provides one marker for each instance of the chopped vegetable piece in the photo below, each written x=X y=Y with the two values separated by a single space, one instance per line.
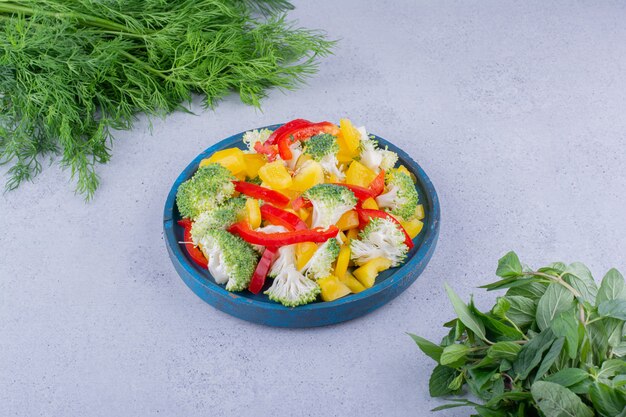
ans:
x=352 y=234
x=262 y=268
x=266 y=149
x=261 y=193
x=210 y=186
x=320 y=263
x=373 y=157
x=348 y=140
x=287 y=127
x=370 y=203
x=381 y=238
x=348 y=220
x=194 y=253
x=275 y=174
x=360 y=193
x=253 y=162
x=412 y=227
x=351 y=282
x=281 y=217
x=419 y=212
x=220 y=217
x=323 y=149
x=290 y=287
x=306 y=131
x=284 y=149
x=309 y=174
x=367 y=273
x=329 y=203
x=304 y=252
x=317 y=235
x=405 y=170
x=342 y=261
x=231 y=158
x=377 y=186
x=365 y=215
x=332 y=288
x=301 y=203
x=359 y=174
x=251 y=137
x=253 y=213
x=401 y=197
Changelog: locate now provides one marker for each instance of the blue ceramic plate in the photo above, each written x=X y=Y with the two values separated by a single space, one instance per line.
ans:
x=258 y=308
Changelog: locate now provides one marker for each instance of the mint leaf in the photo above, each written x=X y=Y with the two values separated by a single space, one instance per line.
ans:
x=462 y=311
x=509 y=266
x=555 y=300
x=441 y=377
x=579 y=277
x=429 y=348
x=555 y=400
x=531 y=353
x=613 y=308
x=607 y=400
x=550 y=358
x=612 y=287
x=568 y=377
x=504 y=350
x=566 y=325
x=453 y=353
x=522 y=310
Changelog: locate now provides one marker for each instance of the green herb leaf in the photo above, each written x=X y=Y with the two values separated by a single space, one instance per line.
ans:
x=504 y=350
x=607 y=400
x=456 y=383
x=620 y=349
x=566 y=325
x=568 y=377
x=467 y=318
x=522 y=311
x=532 y=290
x=611 y=368
x=453 y=354
x=612 y=287
x=550 y=358
x=429 y=348
x=579 y=277
x=556 y=300
x=509 y=266
x=555 y=400
x=440 y=379
x=613 y=308
x=531 y=353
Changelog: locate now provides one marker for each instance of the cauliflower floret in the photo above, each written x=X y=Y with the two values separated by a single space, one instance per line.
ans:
x=323 y=149
x=320 y=264
x=330 y=202
x=253 y=136
x=372 y=156
x=380 y=238
x=290 y=287
x=400 y=197
x=211 y=185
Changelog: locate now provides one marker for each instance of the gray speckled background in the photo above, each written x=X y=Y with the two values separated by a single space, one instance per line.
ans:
x=515 y=109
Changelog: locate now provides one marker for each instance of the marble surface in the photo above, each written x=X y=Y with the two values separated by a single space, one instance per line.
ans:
x=514 y=109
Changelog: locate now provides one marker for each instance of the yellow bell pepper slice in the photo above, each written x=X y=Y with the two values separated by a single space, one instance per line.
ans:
x=351 y=282
x=304 y=252
x=304 y=213
x=332 y=288
x=275 y=175
x=367 y=273
x=352 y=234
x=370 y=203
x=307 y=176
x=419 y=212
x=413 y=227
x=231 y=158
x=359 y=174
x=348 y=140
x=343 y=259
x=253 y=213
x=254 y=162
x=348 y=220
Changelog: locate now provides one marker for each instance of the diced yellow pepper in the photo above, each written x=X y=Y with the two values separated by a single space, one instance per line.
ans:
x=231 y=158
x=332 y=288
x=332 y=178
x=352 y=234
x=253 y=213
x=348 y=220
x=307 y=176
x=304 y=213
x=348 y=141
x=419 y=212
x=413 y=227
x=359 y=174
x=302 y=160
x=343 y=259
x=351 y=282
x=253 y=162
x=368 y=272
x=304 y=252
x=370 y=203
x=275 y=175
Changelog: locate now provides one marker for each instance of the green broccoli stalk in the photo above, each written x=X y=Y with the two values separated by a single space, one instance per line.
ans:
x=251 y=137
x=220 y=217
x=323 y=149
x=210 y=186
x=380 y=238
x=232 y=260
x=372 y=156
x=400 y=198
x=330 y=202
x=320 y=264
x=290 y=287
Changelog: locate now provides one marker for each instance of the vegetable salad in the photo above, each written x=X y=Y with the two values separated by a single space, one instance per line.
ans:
x=317 y=209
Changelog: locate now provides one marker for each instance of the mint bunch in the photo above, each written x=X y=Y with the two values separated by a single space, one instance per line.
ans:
x=554 y=345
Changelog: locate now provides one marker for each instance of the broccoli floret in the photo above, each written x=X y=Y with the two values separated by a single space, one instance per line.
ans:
x=253 y=136
x=232 y=260
x=320 y=264
x=323 y=148
x=210 y=186
x=219 y=218
x=290 y=287
x=372 y=156
x=329 y=203
x=380 y=238
x=400 y=198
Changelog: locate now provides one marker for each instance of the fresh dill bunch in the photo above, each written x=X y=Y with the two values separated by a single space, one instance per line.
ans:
x=72 y=72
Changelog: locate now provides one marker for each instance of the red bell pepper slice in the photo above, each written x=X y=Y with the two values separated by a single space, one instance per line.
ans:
x=261 y=193
x=283 y=148
x=361 y=193
x=287 y=127
x=265 y=148
x=366 y=214
x=316 y=235
x=301 y=202
x=377 y=186
x=262 y=268
x=282 y=217
x=195 y=253
x=301 y=132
